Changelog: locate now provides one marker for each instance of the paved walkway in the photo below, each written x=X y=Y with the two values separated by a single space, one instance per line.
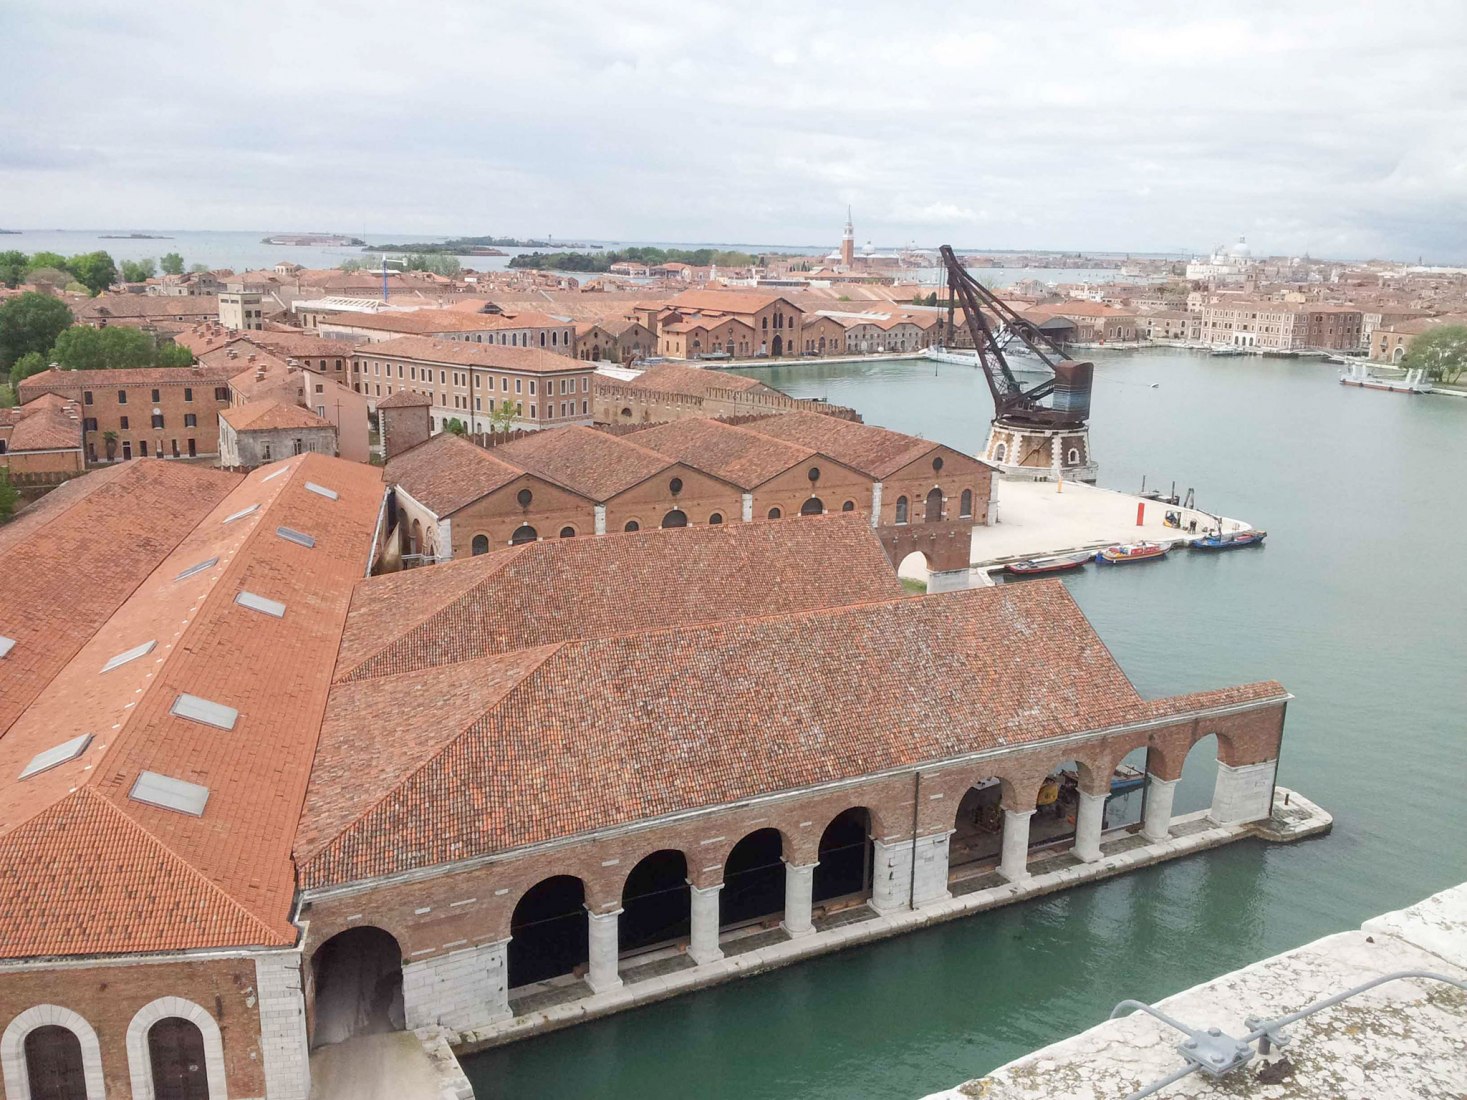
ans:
x=389 y=1066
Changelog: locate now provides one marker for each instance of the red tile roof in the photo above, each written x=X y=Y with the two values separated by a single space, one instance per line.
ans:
x=745 y=458
x=447 y=472
x=261 y=416
x=586 y=461
x=675 y=378
x=405 y=399
x=874 y=451
x=47 y=423
x=461 y=353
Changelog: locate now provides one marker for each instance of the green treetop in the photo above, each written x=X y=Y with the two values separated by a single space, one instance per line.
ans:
x=171 y=263
x=30 y=322
x=1440 y=352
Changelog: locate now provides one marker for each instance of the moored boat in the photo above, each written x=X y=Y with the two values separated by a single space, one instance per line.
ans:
x=1229 y=542
x=1131 y=551
x=1034 y=567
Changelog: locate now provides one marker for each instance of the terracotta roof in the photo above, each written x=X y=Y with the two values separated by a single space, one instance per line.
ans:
x=70 y=382
x=163 y=879
x=49 y=422
x=447 y=472
x=728 y=301
x=111 y=520
x=405 y=399
x=675 y=378
x=464 y=354
x=146 y=306
x=650 y=724
x=874 y=451
x=259 y=416
x=696 y=322
x=595 y=464
x=301 y=345
x=737 y=455
x=419 y=322
x=559 y=589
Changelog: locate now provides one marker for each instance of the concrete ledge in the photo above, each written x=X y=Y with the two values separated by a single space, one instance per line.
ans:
x=1304 y=819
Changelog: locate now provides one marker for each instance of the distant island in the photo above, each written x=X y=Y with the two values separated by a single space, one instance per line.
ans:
x=11 y=232
x=132 y=237
x=326 y=240
x=603 y=261
x=469 y=246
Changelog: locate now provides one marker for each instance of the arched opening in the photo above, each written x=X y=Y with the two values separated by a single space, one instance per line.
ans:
x=915 y=572
x=934 y=506
x=901 y=509
x=358 y=982
x=53 y=1064
x=1072 y=457
x=753 y=880
x=176 y=1053
x=775 y=513
x=522 y=534
x=777 y=347
x=1000 y=451
x=1056 y=807
x=627 y=413
x=965 y=504
x=415 y=542
x=977 y=839
x=1399 y=353
x=848 y=506
x=655 y=902
x=844 y=871
x=480 y=545
x=567 y=532
x=1199 y=777
x=715 y=519
x=676 y=518
x=813 y=507
x=632 y=525
x=548 y=931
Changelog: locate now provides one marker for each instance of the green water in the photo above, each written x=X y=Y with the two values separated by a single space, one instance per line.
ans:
x=1357 y=604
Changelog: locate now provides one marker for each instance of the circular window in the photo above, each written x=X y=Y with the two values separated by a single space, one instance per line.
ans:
x=937 y=463
x=632 y=525
x=814 y=473
x=524 y=496
x=675 y=485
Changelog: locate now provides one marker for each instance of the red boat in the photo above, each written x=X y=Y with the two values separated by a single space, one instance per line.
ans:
x=1035 y=567
x=1131 y=551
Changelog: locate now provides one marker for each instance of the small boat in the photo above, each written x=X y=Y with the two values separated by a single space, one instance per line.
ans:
x=1229 y=542
x=1131 y=551
x=1359 y=376
x=1228 y=351
x=1034 y=567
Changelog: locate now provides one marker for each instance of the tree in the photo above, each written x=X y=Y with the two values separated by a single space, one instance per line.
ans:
x=32 y=362
x=352 y=266
x=52 y=277
x=8 y=497
x=94 y=270
x=502 y=417
x=39 y=260
x=198 y=269
x=1441 y=353
x=173 y=355
x=138 y=271
x=116 y=347
x=13 y=266
x=456 y=426
x=171 y=263
x=30 y=322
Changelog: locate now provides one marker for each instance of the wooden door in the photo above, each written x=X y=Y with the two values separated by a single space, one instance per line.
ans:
x=176 y=1048
x=53 y=1062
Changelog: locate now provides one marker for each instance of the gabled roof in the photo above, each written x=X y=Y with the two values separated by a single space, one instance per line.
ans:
x=184 y=682
x=675 y=378
x=728 y=301
x=462 y=353
x=595 y=464
x=447 y=472
x=874 y=451
x=406 y=399
x=49 y=422
x=260 y=416
x=737 y=455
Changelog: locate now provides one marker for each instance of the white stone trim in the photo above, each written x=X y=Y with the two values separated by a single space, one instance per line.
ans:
x=140 y=1062
x=12 y=1050
x=283 y=1043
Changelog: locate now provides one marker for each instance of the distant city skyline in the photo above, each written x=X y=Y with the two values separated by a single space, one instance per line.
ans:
x=1137 y=129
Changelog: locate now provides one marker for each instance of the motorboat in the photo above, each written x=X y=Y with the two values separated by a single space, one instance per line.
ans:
x=1234 y=541
x=1036 y=567
x=1124 y=553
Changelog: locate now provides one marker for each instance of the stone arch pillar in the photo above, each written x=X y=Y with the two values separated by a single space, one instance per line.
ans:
x=12 y=1049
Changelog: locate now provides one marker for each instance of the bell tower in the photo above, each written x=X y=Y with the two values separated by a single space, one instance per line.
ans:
x=848 y=243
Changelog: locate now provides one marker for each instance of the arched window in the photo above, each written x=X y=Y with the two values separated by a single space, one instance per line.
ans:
x=567 y=532
x=176 y=1057
x=50 y=1051
x=1000 y=452
x=480 y=545
x=632 y=525
x=716 y=518
x=934 y=506
x=415 y=543
x=813 y=507
x=965 y=506
x=775 y=513
x=523 y=534
x=1073 y=458
x=53 y=1064
x=901 y=510
x=626 y=413
x=848 y=506
x=675 y=518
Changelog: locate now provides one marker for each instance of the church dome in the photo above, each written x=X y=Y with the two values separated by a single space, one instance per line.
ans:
x=1240 y=251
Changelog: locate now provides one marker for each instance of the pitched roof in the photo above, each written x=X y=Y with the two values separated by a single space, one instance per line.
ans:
x=650 y=724
x=461 y=353
x=229 y=868
x=68 y=382
x=47 y=423
x=146 y=306
x=593 y=463
x=260 y=416
x=737 y=455
x=728 y=301
x=558 y=589
x=874 y=451
x=676 y=378
x=405 y=399
x=447 y=472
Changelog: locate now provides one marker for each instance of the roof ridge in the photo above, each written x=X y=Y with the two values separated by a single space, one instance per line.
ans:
x=547 y=651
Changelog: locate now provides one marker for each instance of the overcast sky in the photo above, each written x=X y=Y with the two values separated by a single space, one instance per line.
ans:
x=1336 y=129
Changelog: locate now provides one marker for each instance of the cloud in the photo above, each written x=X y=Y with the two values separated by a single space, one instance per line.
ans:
x=1132 y=126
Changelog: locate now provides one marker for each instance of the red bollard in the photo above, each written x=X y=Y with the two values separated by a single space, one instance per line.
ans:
x=1140 y=513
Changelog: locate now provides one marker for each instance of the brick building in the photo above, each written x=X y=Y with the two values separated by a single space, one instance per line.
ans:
x=204 y=876
x=1280 y=326
x=469 y=382
x=41 y=441
x=520 y=329
x=614 y=340
x=160 y=412
x=772 y=321
x=673 y=391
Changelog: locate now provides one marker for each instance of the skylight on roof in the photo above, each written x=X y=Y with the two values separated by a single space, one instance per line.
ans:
x=192 y=569
x=6 y=645
x=129 y=655
x=59 y=754
x=170 y=794
x=206 y=711
x=321 y=490
x=253 y=508
x=277 y=473
x=260 y=603
x=300 y=538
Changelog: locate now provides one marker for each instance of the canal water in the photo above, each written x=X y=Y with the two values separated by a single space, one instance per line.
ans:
x=1357 y=603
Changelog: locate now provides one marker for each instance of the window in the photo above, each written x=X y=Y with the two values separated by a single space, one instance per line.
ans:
x=523 y=534
x=518 y=382
x=775 y=513
x=157 y=419
x=965 y=506
x=86 y=397
x=157 y=396
x=532 y=386
x=480 y=545
x=532 y=411
x=848 y=506
x=188 y=393
x=143 y=448
x=89 y=424
x=122 y=397
x=567 y=532
x=901 y=510
x=715 y=519
x=126 y=448
x=221 y=393
x=190 y=420
x=632 y=525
